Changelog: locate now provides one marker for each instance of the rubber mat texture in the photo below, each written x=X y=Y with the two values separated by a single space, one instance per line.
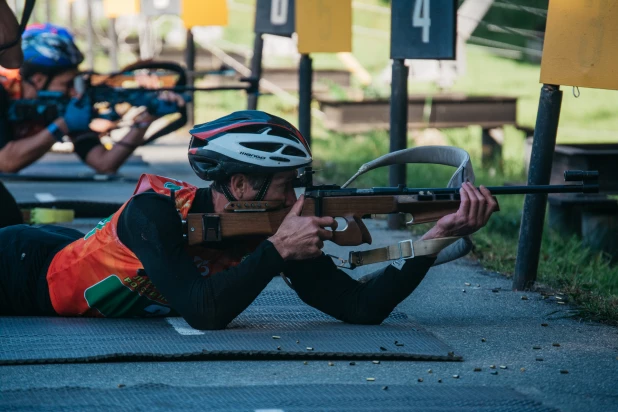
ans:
x=278 y=325
x=288 y=398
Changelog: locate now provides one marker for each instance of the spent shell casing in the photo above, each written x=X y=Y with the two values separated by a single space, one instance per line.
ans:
x=371 y=379
x=555 y=344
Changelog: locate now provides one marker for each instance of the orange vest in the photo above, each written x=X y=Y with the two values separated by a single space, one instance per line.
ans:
x=10 y=80
x=99 y=276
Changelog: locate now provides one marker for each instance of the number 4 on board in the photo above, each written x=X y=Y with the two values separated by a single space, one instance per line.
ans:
x=420 y=18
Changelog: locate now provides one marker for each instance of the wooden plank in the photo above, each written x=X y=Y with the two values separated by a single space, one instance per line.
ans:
x=439 y=111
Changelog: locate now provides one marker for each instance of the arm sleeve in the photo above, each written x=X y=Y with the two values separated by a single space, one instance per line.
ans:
x=320 y=284
x=5 y=128
x=151 y=228
x=83 y=144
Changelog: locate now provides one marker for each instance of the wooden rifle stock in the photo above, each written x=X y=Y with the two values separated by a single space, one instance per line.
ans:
x=209 y=227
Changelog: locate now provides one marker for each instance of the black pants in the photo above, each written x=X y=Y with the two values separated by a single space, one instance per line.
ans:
x=25 y=255
x=9 y=211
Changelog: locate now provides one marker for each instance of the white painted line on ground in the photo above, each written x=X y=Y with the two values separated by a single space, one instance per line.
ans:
x=183 y=327
x=45 y=197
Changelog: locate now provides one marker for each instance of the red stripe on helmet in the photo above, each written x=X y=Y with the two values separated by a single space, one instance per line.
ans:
x=205 y=135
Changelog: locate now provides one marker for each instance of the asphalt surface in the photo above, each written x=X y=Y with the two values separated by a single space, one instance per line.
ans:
x=575 y=367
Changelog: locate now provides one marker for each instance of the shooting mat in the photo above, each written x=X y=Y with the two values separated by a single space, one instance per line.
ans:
x=274 y=398
x=278 y=325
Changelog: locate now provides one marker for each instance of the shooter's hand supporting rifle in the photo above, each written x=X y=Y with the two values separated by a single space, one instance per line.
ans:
x=474 y=212
x=108 y=161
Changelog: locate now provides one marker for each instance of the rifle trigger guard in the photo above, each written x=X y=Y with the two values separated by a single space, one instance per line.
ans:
x=211 y=228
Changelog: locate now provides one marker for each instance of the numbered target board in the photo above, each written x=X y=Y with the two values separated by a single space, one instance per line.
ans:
x=424 y=29
x=275 y=17
x=160 y=7
x=117 y=8
x=204 y=13
x=581 y=41
x=324 y=26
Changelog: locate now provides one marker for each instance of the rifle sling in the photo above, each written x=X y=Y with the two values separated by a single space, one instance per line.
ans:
x=406 y=249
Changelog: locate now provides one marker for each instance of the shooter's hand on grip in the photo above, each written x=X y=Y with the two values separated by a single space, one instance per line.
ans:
x=77 y=116
x=302 y=237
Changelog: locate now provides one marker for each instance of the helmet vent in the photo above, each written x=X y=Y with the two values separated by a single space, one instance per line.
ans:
x=262 y=146
x=292 y=151
x=279 y=159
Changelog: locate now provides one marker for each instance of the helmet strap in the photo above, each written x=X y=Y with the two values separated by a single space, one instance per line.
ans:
x=264 y=188
x=222 y=188
x=50 y=77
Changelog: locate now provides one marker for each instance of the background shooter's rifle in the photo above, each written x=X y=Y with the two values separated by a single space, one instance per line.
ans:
x=106 y=92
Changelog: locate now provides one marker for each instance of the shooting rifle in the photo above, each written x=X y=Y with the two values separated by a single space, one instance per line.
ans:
x=105 y=93
x=244 y=218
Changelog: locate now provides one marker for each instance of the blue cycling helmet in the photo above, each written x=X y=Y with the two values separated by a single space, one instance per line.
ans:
x=48 y=49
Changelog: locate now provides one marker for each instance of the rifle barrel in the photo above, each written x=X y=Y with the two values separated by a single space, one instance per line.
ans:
x=316 y=192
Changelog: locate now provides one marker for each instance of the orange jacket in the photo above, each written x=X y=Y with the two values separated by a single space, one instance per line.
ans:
x=98 y=276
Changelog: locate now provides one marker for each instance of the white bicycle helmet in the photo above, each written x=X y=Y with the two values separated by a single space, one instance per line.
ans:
x=250 y=142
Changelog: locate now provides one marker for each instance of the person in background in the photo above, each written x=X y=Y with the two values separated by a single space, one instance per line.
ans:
x=51 y=61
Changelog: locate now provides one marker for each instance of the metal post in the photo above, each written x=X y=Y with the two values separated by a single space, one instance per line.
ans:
x=48 y=11
x=491 y=150
x=113 y=38
x=190 y=62
x=398 y=129
x=256 y=70
x=305 y=80
x=90 y=36
x=71 y=22
x=539 y=173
